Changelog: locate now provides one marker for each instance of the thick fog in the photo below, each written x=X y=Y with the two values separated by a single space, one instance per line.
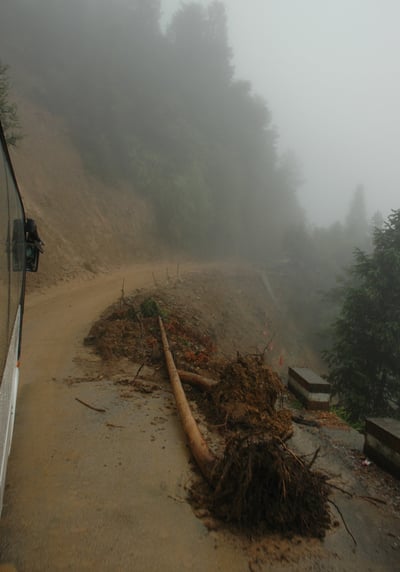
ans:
x=329 y=73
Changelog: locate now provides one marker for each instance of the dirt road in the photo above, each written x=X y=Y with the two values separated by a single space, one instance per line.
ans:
x=82 y=495
x=106 y=491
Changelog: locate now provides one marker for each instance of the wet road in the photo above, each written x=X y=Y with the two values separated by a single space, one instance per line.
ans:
x=106 y=491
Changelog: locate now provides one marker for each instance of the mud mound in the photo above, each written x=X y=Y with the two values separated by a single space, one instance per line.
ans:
x=128 y=329
x=118 y=333
x=229 y=310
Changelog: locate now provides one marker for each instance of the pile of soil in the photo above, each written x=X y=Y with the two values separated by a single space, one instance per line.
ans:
x=130 y=329
x=231 y=309
x=257 y=481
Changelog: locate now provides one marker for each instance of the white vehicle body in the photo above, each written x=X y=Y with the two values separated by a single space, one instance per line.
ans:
x=12 y=283
x=8 y=398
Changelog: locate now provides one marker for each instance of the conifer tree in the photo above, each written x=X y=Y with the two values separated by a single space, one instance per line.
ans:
x=365 y=357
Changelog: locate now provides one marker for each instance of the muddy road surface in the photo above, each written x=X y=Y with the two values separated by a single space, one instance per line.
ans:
x=106 y=490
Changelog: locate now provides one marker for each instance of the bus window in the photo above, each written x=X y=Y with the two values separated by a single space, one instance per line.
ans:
x=16 y=250
x=4 y=269
x=12 y=282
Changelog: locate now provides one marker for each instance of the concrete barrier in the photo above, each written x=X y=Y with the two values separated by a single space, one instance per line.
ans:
x=382 y=443
x=313 y=391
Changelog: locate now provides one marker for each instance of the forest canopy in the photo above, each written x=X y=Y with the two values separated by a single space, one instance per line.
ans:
x=161 y=109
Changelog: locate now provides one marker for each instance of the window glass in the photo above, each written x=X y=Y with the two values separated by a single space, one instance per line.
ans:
x=12 y=256
x=4 y=270
x=17 y=252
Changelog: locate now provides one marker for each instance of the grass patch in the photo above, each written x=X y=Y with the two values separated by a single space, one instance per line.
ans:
x=342 y=412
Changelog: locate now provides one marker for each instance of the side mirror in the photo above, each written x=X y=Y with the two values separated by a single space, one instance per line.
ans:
x=33 y=246
x=31 y=257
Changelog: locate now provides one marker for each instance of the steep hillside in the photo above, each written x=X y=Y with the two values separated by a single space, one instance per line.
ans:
x=86 y=225
x=159 y=108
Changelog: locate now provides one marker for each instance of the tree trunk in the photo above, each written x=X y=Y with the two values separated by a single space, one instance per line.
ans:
x=202 y=454
x=204 y=383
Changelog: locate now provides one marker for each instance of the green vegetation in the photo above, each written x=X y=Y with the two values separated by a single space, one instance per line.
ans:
x=8 y=110
x=344 y=414
x=316 y=262
x=365 y=356
x=295 y=404
x=150 y=309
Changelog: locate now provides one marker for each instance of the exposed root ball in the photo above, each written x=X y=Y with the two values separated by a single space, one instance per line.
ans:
x=260 y=481
x=248 y=379
x=246 y=397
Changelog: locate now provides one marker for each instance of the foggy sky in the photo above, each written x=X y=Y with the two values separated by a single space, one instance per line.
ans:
x=329 y=71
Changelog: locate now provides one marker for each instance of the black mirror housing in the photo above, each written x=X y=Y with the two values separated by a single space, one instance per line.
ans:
x=33 y=246
x=31 y=258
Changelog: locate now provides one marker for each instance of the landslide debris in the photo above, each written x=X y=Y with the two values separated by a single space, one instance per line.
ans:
x=261 y=482
x=130 y=329
x=258 y=482
x=246 y=396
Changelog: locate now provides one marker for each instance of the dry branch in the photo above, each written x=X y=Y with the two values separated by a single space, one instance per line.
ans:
x=372 y=499
x=343 y=520
x=90 y=406
x=197 y=380
x=302 y=421
x=138 y=371
x=314 y=458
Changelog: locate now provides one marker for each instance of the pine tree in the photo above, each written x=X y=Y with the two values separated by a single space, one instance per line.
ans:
x=365 y=358
x=8 y=110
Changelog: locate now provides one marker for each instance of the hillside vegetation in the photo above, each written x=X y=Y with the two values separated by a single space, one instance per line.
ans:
x=87 y=225
x=140 y=141
x=158 y=113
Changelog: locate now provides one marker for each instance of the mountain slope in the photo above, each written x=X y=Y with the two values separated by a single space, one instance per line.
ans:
x=87 y=226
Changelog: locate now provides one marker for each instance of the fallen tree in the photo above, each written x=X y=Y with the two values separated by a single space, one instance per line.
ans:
x=200 y=451
x=258 y=480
